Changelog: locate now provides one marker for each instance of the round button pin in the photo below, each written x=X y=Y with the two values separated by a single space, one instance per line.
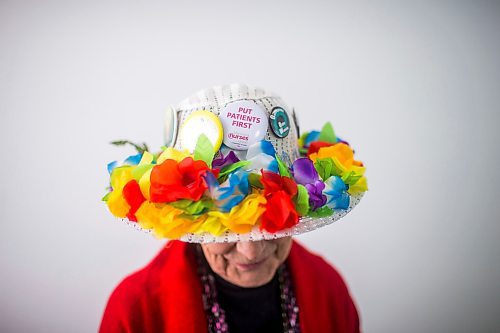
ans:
x=244 y=122
x=197 y=123
x=280 y=124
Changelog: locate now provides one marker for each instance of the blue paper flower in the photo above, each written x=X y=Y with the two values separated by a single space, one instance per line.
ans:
x=231 y=192
x=261 y=156
x=131 y=160
x=336 y=193
x=311 y=137
x=111 y=166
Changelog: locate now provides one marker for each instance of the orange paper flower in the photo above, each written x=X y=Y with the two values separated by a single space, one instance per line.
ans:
x=171 y=180
x=342 y=152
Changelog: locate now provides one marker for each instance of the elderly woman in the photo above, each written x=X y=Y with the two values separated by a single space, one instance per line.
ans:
x=231 y=191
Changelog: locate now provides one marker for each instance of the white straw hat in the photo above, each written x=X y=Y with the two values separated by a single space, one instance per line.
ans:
x=237 y=123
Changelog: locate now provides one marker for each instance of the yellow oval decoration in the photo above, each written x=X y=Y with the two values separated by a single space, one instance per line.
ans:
x=197 y=123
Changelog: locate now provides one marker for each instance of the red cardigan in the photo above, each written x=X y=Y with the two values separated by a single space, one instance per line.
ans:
x=165 y=296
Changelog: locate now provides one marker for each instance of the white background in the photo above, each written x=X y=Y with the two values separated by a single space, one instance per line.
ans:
x=413 y=86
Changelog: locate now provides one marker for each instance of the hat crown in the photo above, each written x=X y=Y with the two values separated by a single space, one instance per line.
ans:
x=217 y=98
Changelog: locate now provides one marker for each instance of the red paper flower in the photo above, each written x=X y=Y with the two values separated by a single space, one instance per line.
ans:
x=172 y=180
x=133 y=195
x=280 y=211
x=316 y=145
x=273 y=182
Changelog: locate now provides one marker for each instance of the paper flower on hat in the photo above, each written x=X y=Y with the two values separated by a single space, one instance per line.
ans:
x=172 y=180
x=175 y=193
x=338 y=160
x=280 y=211
x=117 y=203
x=241 y=218
x=221 y=161
x=173 y=154
x=167 y=221
x=311 y=137
x=342 y=153
x=336 y=193
x=231 y=192
x=360 y=186
x=131 y=160
x=305 y=174
x=133 y=195
x=261 y=156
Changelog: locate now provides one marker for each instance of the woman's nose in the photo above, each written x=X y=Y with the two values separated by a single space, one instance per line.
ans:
x=252 y=251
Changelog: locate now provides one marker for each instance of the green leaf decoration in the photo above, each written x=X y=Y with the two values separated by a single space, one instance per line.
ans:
x=327 y=167
x=324 y=167
x=321 y=212
x=141 y=148
x=327 y=134
x=232 y=167
x=303 y=151
x=106 y=197
x=193 y=208
x=351 y=178
x=222 y=179
x=302 y=200
x=204 y=150
x=140 y=170
x=181 y=204
x=283 y=169
x=254 y=180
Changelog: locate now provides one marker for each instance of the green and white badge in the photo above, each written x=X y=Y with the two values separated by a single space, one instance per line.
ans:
x=280 y=124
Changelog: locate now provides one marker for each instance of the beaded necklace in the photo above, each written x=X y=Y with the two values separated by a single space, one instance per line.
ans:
x=216 y=315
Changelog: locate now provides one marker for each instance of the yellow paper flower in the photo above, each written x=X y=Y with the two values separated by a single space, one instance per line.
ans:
x=360 y=186
x=166 y=221
x=239 y=219
x=145 y=184
x=117 y=204
x=147 y=158
x=300 y=141
x=213 y=226
x=173 y=154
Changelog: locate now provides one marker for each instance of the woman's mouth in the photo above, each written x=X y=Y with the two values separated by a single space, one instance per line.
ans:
x=251 y=266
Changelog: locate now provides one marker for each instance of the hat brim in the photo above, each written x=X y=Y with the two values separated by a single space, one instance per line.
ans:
x=305 y=224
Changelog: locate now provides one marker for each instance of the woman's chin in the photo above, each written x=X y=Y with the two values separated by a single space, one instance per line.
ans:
x=256 y=277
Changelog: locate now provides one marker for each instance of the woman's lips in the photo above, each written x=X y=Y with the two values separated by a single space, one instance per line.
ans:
x=251 y=266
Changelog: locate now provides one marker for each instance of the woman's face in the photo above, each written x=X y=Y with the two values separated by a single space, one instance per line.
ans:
x=247 y=264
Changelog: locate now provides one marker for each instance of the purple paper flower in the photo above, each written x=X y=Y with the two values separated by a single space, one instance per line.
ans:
x=316 y=197
x=220 y=161
x=304 y=173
